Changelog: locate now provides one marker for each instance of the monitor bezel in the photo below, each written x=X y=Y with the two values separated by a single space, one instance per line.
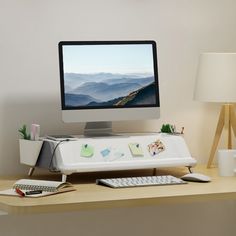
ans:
x=121 y=42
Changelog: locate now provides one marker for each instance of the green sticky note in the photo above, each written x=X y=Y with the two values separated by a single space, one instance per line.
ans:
x=86 y=150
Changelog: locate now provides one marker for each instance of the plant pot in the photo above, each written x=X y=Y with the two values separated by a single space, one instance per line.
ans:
x=29 y=151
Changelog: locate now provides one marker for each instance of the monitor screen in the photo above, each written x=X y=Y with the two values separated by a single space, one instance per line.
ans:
x=111 y=78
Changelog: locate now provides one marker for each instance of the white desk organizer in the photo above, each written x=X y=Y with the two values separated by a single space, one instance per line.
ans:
x=29 y=151
x=68 y=157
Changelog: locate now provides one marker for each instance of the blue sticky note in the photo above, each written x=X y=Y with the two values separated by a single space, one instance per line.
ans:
x=105 y=152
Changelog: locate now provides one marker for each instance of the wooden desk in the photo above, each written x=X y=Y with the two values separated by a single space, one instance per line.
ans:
x=88 y=195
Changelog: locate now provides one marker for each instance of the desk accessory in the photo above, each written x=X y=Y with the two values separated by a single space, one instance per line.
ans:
x=136 y=149
x=171 y=129
x=141 y=181
x=227 y=162
x=37 y=188
x=168 y=128
x=196 y=177
x=86 y=150
x=24 y=133
x=68 y=160
x=29 y=151
x=156 y=147
x=35 y=132
x=30 y=146
x=216 y=82
x=19 y=192
x=118 y=154
x=105 y=152
x=33 y=192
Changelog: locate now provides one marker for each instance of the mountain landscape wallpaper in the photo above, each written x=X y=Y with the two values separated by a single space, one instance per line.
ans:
x=107 y=82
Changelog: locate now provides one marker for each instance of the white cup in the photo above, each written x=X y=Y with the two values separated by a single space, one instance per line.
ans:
x=227 y=162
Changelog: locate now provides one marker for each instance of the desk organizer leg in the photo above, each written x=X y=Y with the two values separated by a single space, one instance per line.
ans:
x=154 y=171
x=189 y=169
x=64 y=177
x=31 y=171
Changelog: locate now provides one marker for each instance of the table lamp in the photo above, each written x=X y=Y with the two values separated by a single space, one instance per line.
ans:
x=216 y=82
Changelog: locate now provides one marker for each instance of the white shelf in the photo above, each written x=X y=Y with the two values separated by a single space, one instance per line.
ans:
x=68 y=157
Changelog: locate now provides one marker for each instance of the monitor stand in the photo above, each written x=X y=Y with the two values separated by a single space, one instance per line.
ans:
x=98 y=129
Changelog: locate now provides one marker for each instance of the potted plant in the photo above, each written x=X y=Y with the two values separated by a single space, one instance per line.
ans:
x=29 y=149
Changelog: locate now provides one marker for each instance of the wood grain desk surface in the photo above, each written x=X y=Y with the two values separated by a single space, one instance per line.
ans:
x=88 y=195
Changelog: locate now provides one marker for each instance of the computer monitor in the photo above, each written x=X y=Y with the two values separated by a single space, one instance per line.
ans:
x=105 y=81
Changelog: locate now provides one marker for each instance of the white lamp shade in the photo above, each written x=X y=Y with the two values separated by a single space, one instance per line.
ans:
x=216 y=78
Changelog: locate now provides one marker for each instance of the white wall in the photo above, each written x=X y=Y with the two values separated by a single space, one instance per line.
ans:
x=31 y=30
x=29 y=91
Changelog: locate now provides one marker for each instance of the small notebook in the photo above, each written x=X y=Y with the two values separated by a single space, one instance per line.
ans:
x=47 y=187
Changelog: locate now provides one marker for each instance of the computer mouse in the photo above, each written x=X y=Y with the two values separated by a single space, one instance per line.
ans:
x=196 y=177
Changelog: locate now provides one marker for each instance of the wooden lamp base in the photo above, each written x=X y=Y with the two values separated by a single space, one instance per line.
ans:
x=227 y=118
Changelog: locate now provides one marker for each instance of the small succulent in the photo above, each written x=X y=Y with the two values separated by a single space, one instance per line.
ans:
x=23 y=132
x=170 y=129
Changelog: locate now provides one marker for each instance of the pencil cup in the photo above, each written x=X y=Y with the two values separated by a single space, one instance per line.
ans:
x=227 y=162
x=29 y=151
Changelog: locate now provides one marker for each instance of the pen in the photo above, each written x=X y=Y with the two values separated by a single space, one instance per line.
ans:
x=33 y=192
x=19 y=192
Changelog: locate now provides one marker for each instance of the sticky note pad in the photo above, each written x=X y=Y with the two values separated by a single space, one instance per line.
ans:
x=86 y=150
x=105 y=152
x=136 y=149
x=118 y=154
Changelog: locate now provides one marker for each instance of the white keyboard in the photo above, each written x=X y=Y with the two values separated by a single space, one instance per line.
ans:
x=140 y=181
